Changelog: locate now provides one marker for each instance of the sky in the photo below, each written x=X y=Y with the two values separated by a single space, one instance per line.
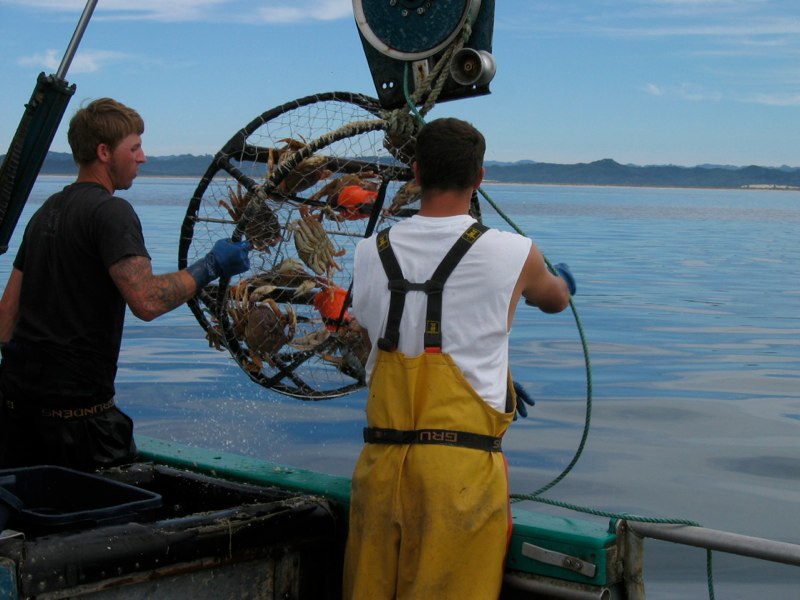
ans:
x=681 y=82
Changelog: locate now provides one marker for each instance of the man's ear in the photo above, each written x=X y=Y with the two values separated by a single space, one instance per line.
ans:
x=103 y=152
x=477 y=184
x=415 y=168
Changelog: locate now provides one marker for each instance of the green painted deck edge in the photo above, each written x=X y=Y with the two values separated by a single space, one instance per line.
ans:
x=243 y=468
x=584 y=539
x=588 y=541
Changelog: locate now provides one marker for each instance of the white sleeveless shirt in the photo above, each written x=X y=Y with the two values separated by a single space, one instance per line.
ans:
x=474 y=305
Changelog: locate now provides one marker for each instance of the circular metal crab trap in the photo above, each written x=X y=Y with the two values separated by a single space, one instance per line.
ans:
x=303 y=183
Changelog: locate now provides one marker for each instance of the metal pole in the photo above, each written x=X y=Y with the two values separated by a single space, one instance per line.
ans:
x=556 y=589
x=711 y=539
x=632 y=561
x=76 y=39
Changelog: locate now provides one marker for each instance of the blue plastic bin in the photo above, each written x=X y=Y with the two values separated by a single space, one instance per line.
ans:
x=44 y=499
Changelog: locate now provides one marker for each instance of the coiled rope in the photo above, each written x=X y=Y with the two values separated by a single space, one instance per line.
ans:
x=398 y=123
x=587 y=422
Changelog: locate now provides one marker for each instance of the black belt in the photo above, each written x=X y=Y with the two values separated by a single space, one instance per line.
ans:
x=444 y=437
x=60 y=412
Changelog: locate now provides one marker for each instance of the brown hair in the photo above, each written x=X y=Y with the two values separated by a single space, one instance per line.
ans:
x=449 y=154
x=102 y=121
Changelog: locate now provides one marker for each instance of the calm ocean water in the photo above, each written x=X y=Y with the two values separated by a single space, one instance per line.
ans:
x=689 y=302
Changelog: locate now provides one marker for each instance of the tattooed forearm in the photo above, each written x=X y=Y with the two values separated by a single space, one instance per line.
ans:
x=170 y=291
x=148 y=295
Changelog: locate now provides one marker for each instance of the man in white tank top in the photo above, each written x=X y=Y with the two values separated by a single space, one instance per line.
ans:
x=429 y=511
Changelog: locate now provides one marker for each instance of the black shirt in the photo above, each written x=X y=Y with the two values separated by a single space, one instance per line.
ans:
x=71 y=312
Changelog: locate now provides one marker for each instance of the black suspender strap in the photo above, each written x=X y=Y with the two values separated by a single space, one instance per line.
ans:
x=433 y=318
x=397 y=289
x=398 y=286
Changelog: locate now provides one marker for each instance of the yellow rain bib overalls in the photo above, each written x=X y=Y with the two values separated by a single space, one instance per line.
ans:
x=429 y=515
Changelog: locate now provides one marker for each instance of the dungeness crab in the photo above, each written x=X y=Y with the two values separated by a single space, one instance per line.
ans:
x=313 y=245
x=260 y=323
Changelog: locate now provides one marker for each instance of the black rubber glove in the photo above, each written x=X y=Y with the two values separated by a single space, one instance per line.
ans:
x=562 y=269
x=522 y=399
x=226 y=259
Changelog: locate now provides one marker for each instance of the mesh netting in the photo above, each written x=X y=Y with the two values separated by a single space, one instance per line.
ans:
x=303 y=182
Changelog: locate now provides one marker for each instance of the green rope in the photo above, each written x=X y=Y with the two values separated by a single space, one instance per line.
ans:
x=601 y=513
x=587 y=361
x=536 y=496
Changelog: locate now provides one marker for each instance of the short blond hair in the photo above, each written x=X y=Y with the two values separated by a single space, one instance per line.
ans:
x=102 y=121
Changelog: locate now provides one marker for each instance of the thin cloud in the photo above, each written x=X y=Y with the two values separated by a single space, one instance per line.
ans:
x=293 y=11
x=775 y=99
x=244 y=11
x=715 y=9
x=85 y=61
x=691 y=92
x=653 y=89
x=697 y=93
x=657 y=18
x=747 y=30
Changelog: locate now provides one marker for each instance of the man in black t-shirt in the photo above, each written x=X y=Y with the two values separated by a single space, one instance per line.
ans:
x=81 y=261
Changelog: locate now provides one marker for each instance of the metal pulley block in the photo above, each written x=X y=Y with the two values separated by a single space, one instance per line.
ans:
x=412 y=29
x=396 y=32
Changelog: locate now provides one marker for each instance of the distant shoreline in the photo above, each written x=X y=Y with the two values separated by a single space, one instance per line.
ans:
x=753 y=188
x=603 y=173
x=650 y=187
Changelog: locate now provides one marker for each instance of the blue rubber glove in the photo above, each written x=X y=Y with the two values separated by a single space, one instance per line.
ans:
x=226 y=259
x=562 y=269
x=522 y=399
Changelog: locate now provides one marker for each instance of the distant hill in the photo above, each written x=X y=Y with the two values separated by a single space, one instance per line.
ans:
x=601 y=172
x=183 y=165
x=610 y=172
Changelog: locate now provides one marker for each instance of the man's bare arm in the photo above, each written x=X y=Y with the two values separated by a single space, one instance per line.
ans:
x=9 y=305
x=539 y=287
x=148 y=295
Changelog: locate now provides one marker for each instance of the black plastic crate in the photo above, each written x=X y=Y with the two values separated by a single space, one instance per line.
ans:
x=45 y=499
